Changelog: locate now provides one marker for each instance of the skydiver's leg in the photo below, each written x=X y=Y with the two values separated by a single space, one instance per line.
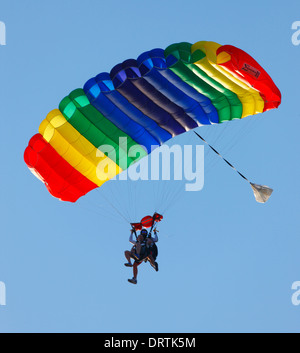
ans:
x=152 y=262
x=127 y=255
x=135 y=270
x=135 y=273
x=128 y=258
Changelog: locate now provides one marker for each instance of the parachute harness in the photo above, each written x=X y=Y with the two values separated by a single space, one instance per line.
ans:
x=146 y=222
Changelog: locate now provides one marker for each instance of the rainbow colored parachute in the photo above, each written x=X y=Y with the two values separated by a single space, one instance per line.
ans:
x=140 y=105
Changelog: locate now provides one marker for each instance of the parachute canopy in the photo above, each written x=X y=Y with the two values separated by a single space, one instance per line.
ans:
x=140 y=105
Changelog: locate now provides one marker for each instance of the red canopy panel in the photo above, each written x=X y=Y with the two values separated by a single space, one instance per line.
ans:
x=61 y=179
x=246 y=69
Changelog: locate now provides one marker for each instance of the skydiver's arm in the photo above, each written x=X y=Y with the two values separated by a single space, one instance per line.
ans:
x=155 y=239
x=131 y=238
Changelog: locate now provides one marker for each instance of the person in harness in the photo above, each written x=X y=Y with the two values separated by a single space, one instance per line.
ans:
x=144 y=249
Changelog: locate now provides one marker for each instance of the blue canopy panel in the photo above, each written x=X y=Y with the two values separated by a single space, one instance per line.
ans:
x=108 y=89
x=154 y=69
x=129 y=81
x=122 y=80
x=137 y=132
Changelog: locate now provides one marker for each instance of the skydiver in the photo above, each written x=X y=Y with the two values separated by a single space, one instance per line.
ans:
x=143 y=249
x=137 y=247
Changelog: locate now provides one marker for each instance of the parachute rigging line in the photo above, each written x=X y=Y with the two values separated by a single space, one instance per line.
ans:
x=262 y=193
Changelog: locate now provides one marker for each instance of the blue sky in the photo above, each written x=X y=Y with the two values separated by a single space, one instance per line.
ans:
x=227 y=264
